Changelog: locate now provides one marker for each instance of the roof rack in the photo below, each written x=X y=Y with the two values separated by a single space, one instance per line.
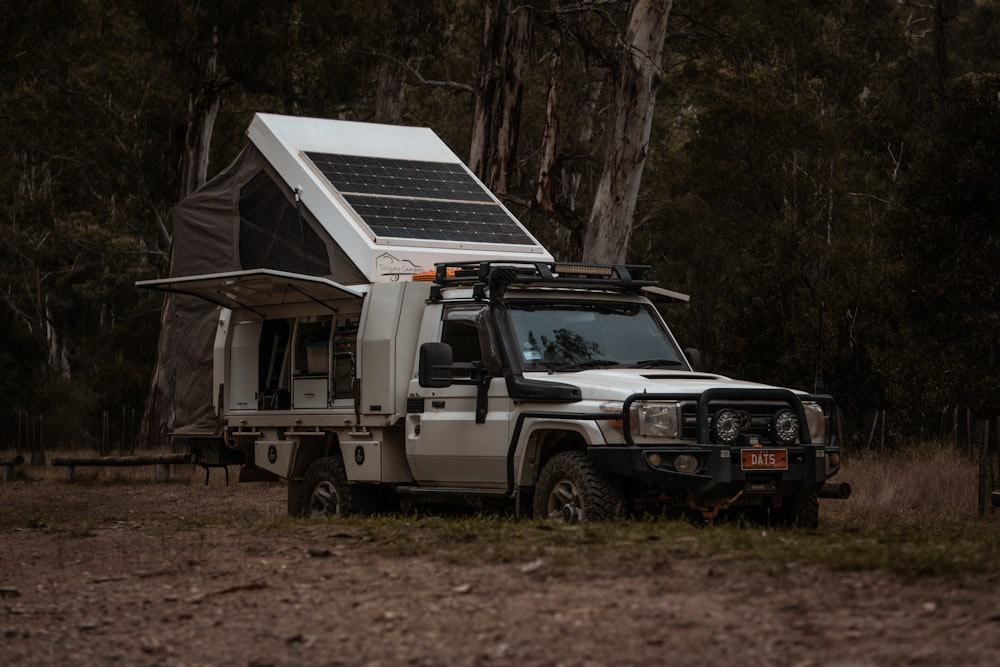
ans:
x=498 y=275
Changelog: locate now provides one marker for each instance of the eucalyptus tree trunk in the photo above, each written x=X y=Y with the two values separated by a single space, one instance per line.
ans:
x=390 y=92
x=499 y=89
x=609 y=229
x=545 y=198
x=203 y=109
x=557 y=185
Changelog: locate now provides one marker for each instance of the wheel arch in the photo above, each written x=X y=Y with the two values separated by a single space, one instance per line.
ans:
x=313 y=447
x=548 y=439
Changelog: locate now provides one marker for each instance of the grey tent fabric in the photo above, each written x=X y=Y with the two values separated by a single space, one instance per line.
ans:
x=247 y=218
x=244 y=218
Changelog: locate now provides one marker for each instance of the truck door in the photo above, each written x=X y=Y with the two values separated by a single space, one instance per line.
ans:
x=445 y=445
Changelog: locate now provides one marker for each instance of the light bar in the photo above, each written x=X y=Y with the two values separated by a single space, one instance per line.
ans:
x=583 y=269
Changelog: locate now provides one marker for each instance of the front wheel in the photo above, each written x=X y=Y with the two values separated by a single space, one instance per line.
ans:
x=572 y=489
x=327 y=493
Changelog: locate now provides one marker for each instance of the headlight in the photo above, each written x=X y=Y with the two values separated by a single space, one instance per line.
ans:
x=816 y=421
x=656 y=420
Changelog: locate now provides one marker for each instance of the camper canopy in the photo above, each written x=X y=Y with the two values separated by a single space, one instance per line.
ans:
x=315 y=208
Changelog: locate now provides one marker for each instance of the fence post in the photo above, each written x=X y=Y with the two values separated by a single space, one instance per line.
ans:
x=105 y=434
x=41 y=440
x=984 y=464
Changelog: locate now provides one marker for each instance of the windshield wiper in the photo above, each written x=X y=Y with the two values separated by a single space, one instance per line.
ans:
x=582 y=365
x=657 y=363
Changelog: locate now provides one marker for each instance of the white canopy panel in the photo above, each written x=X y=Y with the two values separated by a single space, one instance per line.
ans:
x=396 y=199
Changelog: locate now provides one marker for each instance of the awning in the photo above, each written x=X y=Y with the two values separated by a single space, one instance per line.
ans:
x=258 y=290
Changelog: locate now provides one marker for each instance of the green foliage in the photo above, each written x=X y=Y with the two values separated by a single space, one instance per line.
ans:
x=949 y=214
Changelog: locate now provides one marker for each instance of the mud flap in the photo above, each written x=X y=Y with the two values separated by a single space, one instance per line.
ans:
x=295 y=496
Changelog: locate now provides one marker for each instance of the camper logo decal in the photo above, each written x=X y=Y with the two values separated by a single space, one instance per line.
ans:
x=387 y=265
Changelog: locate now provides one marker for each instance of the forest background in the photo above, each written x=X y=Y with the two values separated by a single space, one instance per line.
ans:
x=820 y=177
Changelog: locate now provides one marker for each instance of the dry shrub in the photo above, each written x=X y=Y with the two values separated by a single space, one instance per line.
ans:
x=930 y=486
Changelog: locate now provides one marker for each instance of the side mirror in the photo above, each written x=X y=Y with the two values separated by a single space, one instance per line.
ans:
x=435 y=365
x=693 y=357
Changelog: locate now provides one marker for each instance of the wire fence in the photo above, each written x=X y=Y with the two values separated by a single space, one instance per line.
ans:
x=117 y=431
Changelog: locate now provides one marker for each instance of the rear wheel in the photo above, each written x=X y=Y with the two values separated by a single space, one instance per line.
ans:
x=572 y=489
x=327 y=493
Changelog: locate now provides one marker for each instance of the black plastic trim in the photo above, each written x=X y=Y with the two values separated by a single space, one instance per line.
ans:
x=524 y=389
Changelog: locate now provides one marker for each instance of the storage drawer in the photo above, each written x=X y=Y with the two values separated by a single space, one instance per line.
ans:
x=310 y=393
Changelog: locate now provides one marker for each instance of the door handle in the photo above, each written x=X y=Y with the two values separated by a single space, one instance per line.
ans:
x=437 y=404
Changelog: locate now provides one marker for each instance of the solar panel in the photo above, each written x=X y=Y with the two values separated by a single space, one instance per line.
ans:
x=435 y=219
x=399 y=178
x=413 y=199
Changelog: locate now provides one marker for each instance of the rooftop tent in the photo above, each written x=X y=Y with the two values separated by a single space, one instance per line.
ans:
x=248 y=218
x=353 y=203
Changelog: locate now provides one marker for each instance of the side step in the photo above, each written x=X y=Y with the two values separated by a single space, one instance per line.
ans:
x=442 y=492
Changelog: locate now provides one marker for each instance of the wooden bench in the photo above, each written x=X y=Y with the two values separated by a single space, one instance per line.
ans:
x=161 y=461
x=8 y=465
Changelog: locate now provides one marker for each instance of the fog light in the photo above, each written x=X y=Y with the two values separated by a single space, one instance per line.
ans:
x=834 y=459
x=654 y=459
x=686 y=463
x=785 y=426
x=727 y=425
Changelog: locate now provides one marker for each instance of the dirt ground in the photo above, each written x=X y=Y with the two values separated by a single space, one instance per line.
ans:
x=187 y=574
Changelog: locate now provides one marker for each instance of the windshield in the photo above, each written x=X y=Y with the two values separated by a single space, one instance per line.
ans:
x=573 y=336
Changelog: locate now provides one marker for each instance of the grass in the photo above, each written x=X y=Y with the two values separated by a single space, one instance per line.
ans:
x=923 y=487
x=913 y=513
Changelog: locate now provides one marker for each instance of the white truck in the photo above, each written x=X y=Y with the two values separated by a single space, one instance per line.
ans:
x=495 y=374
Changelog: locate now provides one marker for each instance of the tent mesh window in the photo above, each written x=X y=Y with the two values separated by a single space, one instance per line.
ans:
x=273 y=235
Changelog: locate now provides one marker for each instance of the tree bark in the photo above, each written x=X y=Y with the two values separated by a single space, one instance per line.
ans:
x=203 y=109
x=557 y=184
x=544 y=183
x=609 y=229
x=499 y=89
x=390 y=93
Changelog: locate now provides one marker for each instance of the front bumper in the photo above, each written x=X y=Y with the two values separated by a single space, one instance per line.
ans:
x=798 y=469
x=720 y=474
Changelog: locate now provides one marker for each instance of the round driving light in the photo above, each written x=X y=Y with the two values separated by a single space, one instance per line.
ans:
x=785 y=426
x=686 y=463
x=834 y=459
x=727 y=426
x=654 y=459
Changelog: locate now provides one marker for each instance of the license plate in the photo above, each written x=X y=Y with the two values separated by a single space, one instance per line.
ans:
x=764 y=459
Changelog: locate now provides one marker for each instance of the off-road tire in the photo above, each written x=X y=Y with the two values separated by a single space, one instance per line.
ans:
x=797 y=512
x=327 y=493
x=572 y=489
